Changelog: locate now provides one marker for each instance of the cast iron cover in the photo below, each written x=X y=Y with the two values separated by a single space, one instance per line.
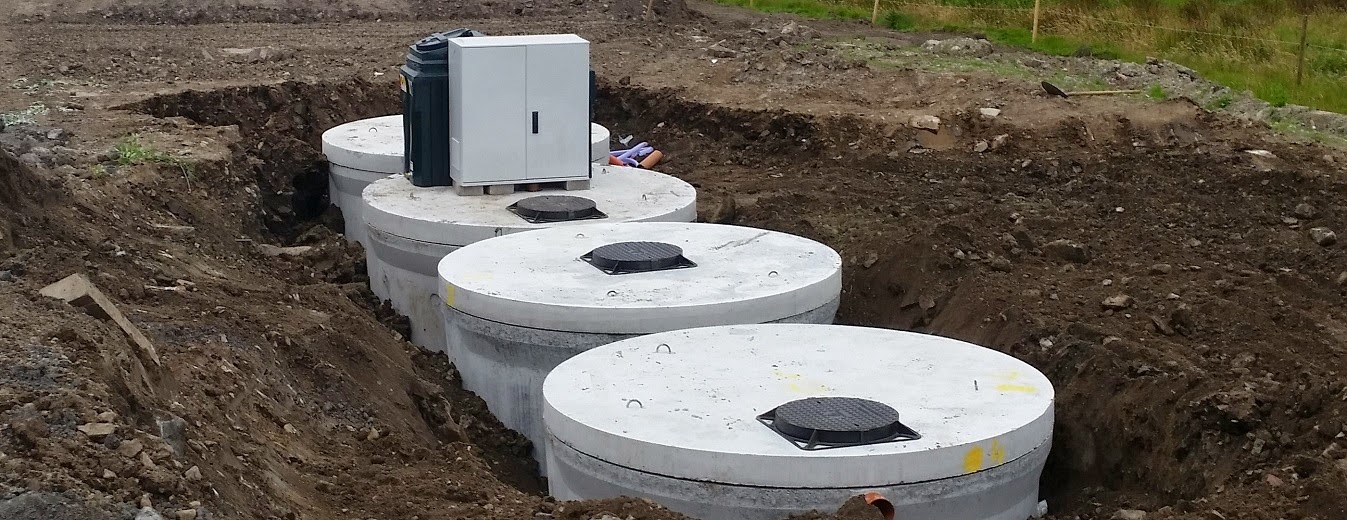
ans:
x=818 y=423
x=637 y=257
x=545 y=209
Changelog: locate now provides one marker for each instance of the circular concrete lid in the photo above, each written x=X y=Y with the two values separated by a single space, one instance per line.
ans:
x=742 y=275
x=684 y=404
x=375 y=144
x=599 y=143
x=372 y=145
x=438 y=215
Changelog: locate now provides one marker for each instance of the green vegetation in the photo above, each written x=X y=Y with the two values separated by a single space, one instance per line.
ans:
x=1157 y=93
x=1244 y=44
x=131 y=151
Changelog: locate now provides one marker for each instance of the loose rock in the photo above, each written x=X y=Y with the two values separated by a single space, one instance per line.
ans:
x=193 y=474
x=147 y=513
x=1159 y=269
x=1129 y=514
x=97 y=431
x=990 y=113
x=174 y=432
x=130 y=448
x=720 y=51
x=1305 y=211
x=187 y=514
x=925 y=122
x=1068 y=250
x=981 y=146
x=1323 y=236
x=1117 y=303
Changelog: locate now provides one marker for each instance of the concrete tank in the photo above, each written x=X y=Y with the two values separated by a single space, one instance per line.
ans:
x=364 y=151
x=410 y=229
x=715 y=423
x=358 y=153
x=519 y=305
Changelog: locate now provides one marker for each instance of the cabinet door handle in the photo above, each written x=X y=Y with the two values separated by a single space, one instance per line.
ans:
x=535 y=122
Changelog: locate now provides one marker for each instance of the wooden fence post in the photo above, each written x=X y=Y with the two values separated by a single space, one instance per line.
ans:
x=1300 y=62
x=874 y=15
x=1034 y=37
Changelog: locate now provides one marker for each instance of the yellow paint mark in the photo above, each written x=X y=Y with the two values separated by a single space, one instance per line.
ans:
x=998 y=453
x=795 y=384
x=972 y=461
x=449 y=294
x=1015 y=387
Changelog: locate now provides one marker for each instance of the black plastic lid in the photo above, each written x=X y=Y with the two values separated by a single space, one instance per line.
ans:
x=819 y=423
x=637 y=257
x=555 y=208
x=436 y=45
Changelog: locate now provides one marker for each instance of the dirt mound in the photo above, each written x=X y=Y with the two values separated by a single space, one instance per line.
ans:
x=1188 y=339
x=282 y=126
x=662 y=10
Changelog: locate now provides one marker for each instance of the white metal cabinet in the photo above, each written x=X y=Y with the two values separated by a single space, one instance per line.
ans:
x=518 y=109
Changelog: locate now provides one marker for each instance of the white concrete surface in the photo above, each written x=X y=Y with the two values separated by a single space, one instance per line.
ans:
x=1005 y=492
x=599 y=143
x=440 y=216
x=358 y=153
x=743 y=275
x=700 y=390
x=364 y=151
x=506 y=364
x=412 y=228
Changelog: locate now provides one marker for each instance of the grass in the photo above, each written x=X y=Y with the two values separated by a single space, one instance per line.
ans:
x=1243 y=44
x=131 y=152
x=1157 y=93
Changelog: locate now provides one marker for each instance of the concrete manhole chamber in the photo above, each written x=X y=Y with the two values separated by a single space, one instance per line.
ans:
x=358 y=153
x=364 y=151
x=410 y=228
x=717 y=423
x=519 y=305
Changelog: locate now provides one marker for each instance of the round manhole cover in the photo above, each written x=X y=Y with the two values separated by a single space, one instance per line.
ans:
x=556 y=208
x=821 y=422
x=637 y=257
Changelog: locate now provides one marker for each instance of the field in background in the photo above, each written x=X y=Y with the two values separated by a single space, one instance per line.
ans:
x=1244 y=44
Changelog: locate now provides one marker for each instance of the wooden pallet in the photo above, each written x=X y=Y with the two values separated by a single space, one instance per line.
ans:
x=506 y=189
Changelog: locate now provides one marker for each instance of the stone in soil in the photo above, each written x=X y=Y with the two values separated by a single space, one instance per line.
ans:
x=925 y=122
x=1323 y=236
x=1068 y=250
x=1159 y=269
x=990 y=113
x=130 y=448
x=97 y=431
x=720 y=51
x=1129 y=514
x=1305 y=211
x=1118 y=302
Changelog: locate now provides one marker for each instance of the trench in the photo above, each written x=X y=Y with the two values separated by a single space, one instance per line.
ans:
x=893 y=218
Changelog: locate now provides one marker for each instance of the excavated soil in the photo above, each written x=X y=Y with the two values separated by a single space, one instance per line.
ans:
x=1176 y=288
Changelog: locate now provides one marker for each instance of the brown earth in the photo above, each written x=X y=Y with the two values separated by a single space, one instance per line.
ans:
x=1213 y=390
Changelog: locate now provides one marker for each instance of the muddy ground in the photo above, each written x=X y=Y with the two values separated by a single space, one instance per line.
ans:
x=1181 y=292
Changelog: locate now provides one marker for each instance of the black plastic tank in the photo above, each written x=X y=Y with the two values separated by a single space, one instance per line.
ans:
x=425 y=108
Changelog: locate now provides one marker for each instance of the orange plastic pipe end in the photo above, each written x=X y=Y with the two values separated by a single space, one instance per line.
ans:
x=885 y=507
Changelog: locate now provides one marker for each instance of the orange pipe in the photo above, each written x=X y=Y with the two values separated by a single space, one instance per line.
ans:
x=651 y=160
x=613 y=161
x=885 y=507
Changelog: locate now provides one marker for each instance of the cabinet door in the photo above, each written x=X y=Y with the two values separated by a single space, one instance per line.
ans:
x=558 y=97
x=488 y=102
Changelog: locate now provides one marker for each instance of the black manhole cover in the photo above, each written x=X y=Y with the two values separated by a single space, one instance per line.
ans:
x=555 y=208
x=835 y=422
x=637 y=257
